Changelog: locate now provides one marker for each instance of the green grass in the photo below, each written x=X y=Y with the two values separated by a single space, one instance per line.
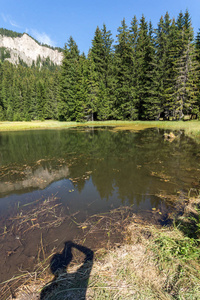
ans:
x=190 y=127
x=17 y=126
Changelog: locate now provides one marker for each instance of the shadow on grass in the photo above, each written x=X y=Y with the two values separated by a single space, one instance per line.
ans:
x=68 y=285
x=189 y=224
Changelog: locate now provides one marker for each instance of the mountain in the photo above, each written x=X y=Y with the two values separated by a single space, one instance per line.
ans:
x=16 y=48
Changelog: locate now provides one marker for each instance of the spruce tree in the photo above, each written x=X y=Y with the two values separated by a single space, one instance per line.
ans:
x=107 y=84
x=1 y=99
x=101 y=55
x=185 y=96
x=165 y=34
x=93 y=90
x=151 y=106
x=144 y=65
x=125 y=106
x=68 y=81
x=197 y=55
x=82 y=89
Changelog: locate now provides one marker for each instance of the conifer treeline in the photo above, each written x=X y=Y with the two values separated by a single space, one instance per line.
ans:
x=148 y=74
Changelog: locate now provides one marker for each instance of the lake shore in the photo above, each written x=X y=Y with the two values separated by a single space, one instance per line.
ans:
x=150 y=261
x=190 y=127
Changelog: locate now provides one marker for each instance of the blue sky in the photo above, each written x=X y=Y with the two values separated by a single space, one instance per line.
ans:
x=53 y=22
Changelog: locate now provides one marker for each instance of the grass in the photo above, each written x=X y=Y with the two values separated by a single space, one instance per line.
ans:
x=190 y=127
x=16 y=126
x=153 y=262
x=33 y=125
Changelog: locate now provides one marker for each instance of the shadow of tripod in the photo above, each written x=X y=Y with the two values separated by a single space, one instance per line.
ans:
x=68 y=285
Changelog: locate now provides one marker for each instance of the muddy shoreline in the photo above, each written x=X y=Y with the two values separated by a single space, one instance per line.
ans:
x=32 y=235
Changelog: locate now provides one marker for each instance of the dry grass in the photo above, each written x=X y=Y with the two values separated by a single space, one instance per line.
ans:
x=153 y=262
x=17 y=126
x=47 y=214
x=33 y=125
x=29 y=284
x=133 y=271
x=191 y=128
x=128 y=272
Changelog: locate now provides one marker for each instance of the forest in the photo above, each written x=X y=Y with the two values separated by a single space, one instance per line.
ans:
x=146 y=74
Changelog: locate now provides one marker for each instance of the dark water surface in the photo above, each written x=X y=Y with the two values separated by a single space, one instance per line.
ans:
x=93 y=170
x=96 y=167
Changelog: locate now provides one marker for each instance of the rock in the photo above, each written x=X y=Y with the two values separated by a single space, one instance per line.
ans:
x=28 y=50
x=169 y=136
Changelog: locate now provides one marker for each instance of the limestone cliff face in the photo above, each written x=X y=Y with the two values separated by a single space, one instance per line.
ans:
x=26 y=49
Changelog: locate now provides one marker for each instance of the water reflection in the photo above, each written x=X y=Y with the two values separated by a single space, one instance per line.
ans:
x=33 y=178
x=104 y=167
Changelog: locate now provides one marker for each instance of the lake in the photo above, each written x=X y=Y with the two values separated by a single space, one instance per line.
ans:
x=80 y=172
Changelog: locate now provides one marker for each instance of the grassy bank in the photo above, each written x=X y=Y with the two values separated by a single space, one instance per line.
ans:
x=33 y=125
x=190 y=127
x=152 y=262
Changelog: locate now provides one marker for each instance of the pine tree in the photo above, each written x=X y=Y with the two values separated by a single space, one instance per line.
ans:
x=197 y=55
x=144 y=65
x=50 y=106
x=125 y=106
x=40 y=90
x=151 y=103
x=82 y=89
x=101 y=55
x=93 y=90
x=165 y=35
x=107 y=84
x=1 y=97
x=133 y=31
x=185 y=96
x=68 y=81
x=148 y=75
x=197 y=46
x=6 y=92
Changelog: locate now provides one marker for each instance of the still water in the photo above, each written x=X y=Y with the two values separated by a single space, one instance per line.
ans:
x=94 y=170
x=88 y=171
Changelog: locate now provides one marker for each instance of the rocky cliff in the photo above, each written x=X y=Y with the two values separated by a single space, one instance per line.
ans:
x=28 y=50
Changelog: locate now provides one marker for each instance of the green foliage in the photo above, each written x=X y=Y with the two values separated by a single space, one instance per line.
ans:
x=10 y=33
x=9 y=114
x=1 y=114
x=185 y=91
x=145 y=62
x=93 y=91
x=4 y=53
x=27 y=117
x=27 y=93
x=68 y=81
x=149 y=74
x=184 y=248
x=181 y=242
x=100 y=74
x=17 y=117
x=125 y=92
